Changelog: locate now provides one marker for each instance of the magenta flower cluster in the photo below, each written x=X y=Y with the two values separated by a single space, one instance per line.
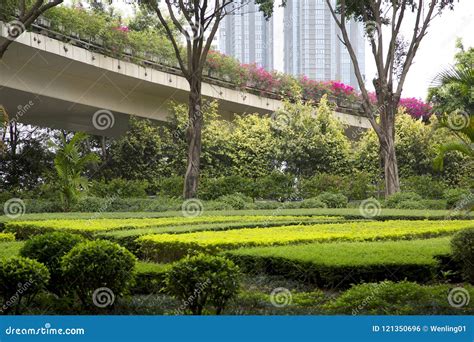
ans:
x=416 y=107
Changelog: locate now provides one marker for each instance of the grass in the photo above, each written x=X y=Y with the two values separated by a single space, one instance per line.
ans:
x=357 y=253
x=172 y=246
x=26 y=228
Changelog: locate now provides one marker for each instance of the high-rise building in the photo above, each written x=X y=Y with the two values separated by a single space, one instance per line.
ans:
x=246 y=35
x=312 y=47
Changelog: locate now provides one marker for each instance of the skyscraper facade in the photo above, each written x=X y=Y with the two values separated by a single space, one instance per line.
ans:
x=312 y=47
x=246 y=35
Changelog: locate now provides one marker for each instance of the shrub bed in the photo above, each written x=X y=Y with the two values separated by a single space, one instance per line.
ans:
x=165 y=247
x=340 y=264
x=25 y=229
x=7 y=237
x=403 y=298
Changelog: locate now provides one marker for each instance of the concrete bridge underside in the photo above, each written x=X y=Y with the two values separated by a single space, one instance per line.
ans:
x=51 y=83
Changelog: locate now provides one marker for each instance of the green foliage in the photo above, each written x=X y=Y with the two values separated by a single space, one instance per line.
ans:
x=236 y=201
x=328 y=264
x=119 y=187
x=313 y=203
x=310 y=143
x=455 y=196
x=199 y=280
x=20 y=278
x=333 y=200
x=140 y=152
x=95 y=264
x=462 y=246
x=7 y=237
x=169 y=247
x=398 y=198
x=425 y=186
x=70 y=165
x=402 y=298
x=276 y=185
x=213 y=188
x=49 y=249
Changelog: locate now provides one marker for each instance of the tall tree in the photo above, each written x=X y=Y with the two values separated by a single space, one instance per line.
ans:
x=383 y=21
x=20 y=14
x=198 y=21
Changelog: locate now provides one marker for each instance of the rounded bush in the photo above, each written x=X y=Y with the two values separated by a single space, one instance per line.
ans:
x=410 y=205
x=96 y=264
x=462 y=246
x=236 y=201
x=49 y=249
x=396 y=199
x=333 y=200
x=313 y=203
x=19 y=278
x=455 y=197
x=202 y=279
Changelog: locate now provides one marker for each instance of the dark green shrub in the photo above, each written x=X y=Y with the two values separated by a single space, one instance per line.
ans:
x=92 y=204
x=333 y=200
x=320 y=183
x=358 y=186
x=199 y=280
x=330 y=276
x=399 y=197
x=213 y=188
x=434 y=204
x=170 y=187
x=313 y=203
x=236 y=201
x=409 y=204
x=20 y=278
x=276 y=186
x=268 y=205
x=403 y=298
x=455 y=196
x=462 y=246
x=119 y=187
x=96 y=264
x=425 y=186
x=49 y=249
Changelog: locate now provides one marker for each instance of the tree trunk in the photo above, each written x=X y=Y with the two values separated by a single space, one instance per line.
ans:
x=388 y=155
x=195 y=121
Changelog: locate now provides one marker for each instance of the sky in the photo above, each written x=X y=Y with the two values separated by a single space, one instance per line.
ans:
x=436 y=51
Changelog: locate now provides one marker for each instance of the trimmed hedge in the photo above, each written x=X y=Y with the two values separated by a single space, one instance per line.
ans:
x=344 y=263
x=7 y=237
x=168 y=247
x=402 y=298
